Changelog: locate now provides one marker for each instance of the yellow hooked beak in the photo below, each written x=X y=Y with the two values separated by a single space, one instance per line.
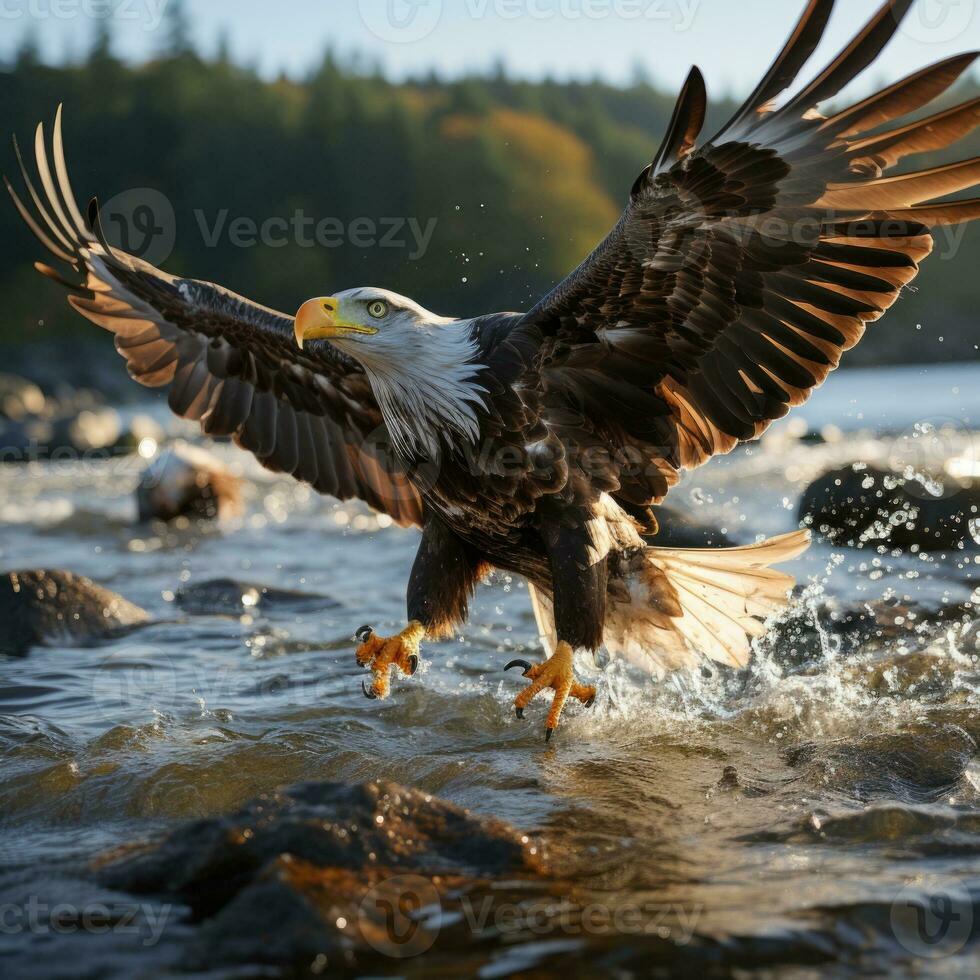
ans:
x=319 y=319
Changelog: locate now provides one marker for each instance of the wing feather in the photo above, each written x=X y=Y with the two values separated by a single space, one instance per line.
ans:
x=229 y=363
x=741 y=270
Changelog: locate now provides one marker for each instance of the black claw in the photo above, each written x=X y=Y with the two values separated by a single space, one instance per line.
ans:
x=364 y=634
x=590 y=702
x=413 y=663
x=520 y=713
x=370 y=695
x=523 y=664
x=548 y=732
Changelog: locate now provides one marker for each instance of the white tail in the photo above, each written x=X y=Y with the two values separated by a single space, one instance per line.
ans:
x=689 y=603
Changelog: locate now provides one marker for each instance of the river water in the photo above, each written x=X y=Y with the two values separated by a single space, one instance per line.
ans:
x=793 y=808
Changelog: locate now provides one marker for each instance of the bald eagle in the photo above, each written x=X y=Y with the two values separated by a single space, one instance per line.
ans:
x=741 y=269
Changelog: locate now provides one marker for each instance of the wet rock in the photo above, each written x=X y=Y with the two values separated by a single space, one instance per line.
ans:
x=861 y=505
x=50 y=606
x=918 y=764
x=680 y=530
x=312 y=872
x=918 y=830
x=19 y=398
x=729 y=779
x=39 y=426
x=88 y=435
x=230 y=597
x=185 y=481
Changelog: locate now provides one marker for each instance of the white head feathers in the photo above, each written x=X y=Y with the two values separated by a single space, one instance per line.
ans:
x=422 y=368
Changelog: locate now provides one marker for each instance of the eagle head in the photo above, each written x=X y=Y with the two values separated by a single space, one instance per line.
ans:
x=366 y=322
x=423 y=367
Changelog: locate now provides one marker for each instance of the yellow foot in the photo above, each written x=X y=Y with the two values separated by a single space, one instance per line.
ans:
x=380 y=653
x=557 y=673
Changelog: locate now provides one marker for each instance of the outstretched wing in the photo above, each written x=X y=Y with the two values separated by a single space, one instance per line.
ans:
x=740 y=271
x=229 y=363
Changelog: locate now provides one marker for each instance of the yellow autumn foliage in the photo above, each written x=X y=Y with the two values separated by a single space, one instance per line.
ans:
x=553 y=185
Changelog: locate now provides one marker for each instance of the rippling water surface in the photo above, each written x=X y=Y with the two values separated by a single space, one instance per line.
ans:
x=790 y=807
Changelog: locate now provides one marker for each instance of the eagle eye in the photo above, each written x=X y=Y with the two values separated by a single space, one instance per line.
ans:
x=378 y=309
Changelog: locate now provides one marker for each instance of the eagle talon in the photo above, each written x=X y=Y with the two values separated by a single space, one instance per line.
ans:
x=558 y=674
x=381 y=653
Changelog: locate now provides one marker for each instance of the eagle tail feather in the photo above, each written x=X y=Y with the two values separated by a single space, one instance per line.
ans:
x=691 y=604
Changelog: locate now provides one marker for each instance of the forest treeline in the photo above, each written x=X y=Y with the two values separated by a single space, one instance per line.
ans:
x=469 y=195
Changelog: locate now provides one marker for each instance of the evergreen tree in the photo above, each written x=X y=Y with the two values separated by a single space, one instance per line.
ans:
x=101 y=50
x=29 y=51
x=178 y=40
x=223 y=52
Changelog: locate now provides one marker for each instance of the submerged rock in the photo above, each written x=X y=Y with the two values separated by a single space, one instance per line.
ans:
x=185 y=481
x=50 y=606
x=227 y=596
x=861 y=505
x=324 y=872
x=919 y=764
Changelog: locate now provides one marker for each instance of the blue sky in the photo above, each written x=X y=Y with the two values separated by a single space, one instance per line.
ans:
x=732 y=40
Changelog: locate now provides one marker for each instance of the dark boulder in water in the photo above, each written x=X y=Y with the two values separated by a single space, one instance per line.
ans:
x=861 y=505
x=230 y=597
x=316 y=871
x=49 y=606
x=186 y=481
